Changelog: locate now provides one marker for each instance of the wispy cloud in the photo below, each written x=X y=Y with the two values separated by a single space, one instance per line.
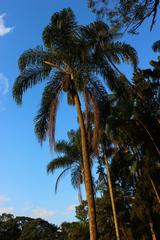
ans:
x=4 y=84
x=3 y=199
x=42 y=213
x=3 y=29
x=6 y=210
x=70 y=209
x=4 y=87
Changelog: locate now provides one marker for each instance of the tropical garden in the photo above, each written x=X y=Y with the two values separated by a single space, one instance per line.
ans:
x=119 y=124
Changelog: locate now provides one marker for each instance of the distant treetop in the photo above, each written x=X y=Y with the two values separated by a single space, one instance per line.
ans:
x=128 y=13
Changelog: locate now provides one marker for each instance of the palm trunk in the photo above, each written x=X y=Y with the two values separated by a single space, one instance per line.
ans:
x=155 y=190
x=152 y=230
x=87 y=173
x=112 y=197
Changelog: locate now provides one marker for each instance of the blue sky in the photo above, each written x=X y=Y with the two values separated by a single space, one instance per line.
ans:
x=25 y=187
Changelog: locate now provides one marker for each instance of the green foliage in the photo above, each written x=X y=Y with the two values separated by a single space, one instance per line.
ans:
x=124 y=124
x=74 y=231
x=39 y=229
x=129 y=14
x=69 y=159
x=25 y=228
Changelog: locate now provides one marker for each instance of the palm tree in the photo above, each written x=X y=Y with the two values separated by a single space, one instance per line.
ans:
x=70 y=60
x=69 y=160
x=107 y=52
x=63 y=61
x=110 y=187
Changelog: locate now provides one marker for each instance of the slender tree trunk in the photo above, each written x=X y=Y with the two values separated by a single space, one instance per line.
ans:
x=152 y=230
x=150 y=136
x=112 y=197
x=87 y=173
x=155 y=190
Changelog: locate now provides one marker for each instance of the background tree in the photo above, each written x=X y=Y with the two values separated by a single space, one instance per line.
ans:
x=69 y=160
x=23 y=228
x=129 y=14
x=39 y=229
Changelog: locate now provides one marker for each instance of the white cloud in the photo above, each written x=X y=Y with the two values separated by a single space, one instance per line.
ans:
x=42 y=213
x=70 y=209
x=4 y=84
x=6 y=210
x=3 y=199
x=4 y=87
x=3 y=29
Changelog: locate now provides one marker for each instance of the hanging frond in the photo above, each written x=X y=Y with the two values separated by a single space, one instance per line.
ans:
x=35 y=56
x=76 y=176
x=121 y=52
x=50 y=96
x=62 y=174
x=28 y=78
x=59 y=162
x=52 y=121
x=95 y=88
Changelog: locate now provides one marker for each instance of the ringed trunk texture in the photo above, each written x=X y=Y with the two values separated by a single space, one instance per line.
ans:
x=112 y=197
x=87 y=173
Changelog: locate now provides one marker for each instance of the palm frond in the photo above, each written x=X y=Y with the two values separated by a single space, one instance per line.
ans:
x=59 y=162
x=109 y=75
x=119 y=51
x=50 y=96
x=62 y=146
x=35 y=56
x=70 y=149
x=156 y=46
x=95 y=88
x=76 y=176
x=61 y=29
x=52 y=120
x=60 y=177
x=27 y=79
x=96 y=33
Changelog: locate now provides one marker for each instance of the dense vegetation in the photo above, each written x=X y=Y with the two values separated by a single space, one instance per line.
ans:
x=119 y=128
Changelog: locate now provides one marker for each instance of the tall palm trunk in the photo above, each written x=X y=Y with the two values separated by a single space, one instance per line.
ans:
x=155 y=190
x=152 y=230
x=87 y=173
x=111 y=196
